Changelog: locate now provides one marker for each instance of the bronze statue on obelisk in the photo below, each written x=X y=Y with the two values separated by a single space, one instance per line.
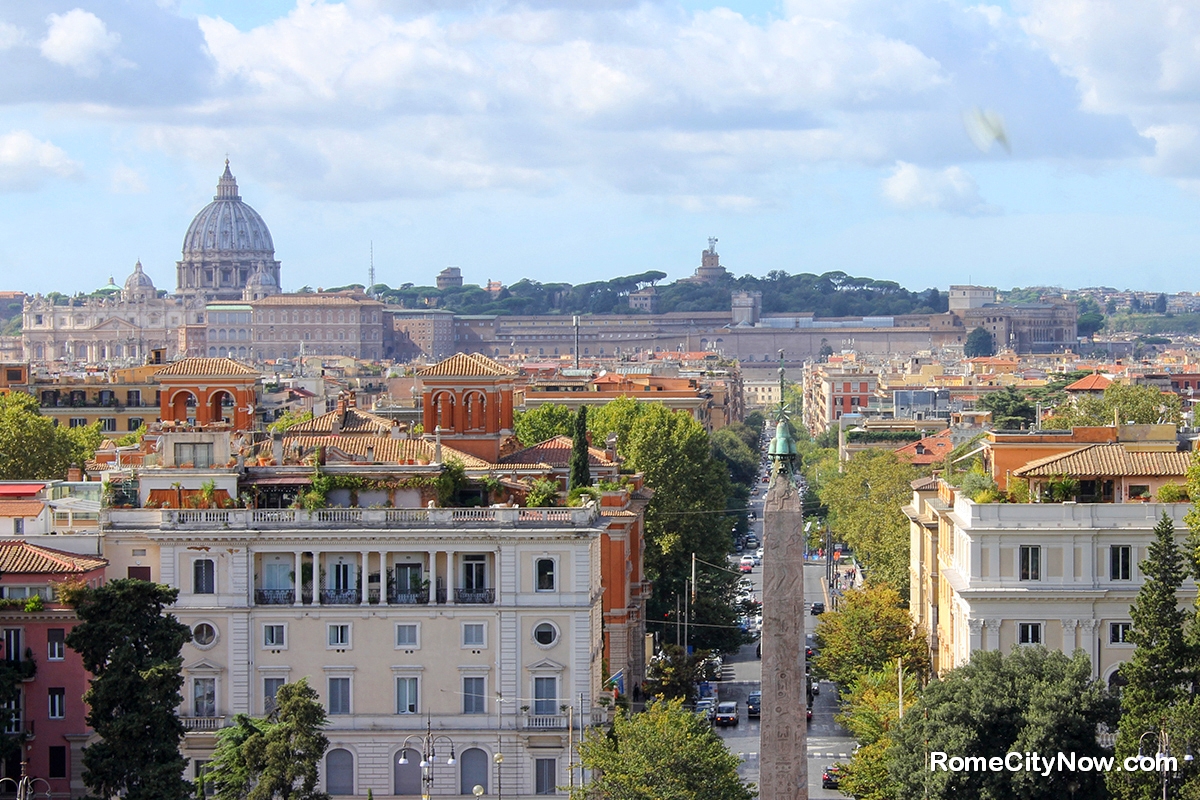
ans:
x=783 y=747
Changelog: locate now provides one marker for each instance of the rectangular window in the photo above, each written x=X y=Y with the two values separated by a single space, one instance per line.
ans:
x=1031 y=562
x=339 y=635
x=58 y=702
x=339 y=695
x=1118 y=632
x=277 y=575
x=341 y=578
x=58 y=762
x=406 y=695
x=474 y=572
x=12 y=644
x=135 y=423
x=545 y=771
x=18 y=527
x=1120 y=557
x=204 y=576
x=56 y=644
x=133 y=397
x=198 y=454
x=275 y=636
x=271 y=687
x=545 y=696
x=77 y=422
x=473 y=700
x=545 y=575
x=138 y=573
x=473 y=634
x=108 y=424
x=1029 y=632
x=200 y=773
x=406 y=635
x=1139 y=491
x=204 y=697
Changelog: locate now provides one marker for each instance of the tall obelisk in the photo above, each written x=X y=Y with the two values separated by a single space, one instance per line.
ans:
x=783 y=747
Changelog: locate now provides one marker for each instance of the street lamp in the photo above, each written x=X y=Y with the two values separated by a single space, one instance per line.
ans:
x=498 y=758
x=1164 y=757
x=27 y=787
x=428 y=755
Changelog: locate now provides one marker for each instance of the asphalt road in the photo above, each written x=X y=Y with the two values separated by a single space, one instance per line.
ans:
x=827 y=741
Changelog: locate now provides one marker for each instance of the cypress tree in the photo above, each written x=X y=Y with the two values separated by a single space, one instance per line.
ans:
x=1158 y=674
x=581 y=474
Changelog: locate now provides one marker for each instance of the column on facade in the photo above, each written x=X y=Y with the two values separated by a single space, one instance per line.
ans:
x=1068 y=634
x=976 y=628
x=365 y=567
x=1089 y=643
x=432 y=577
x=297 y=578
x=383 y=573
x=450 y=575
x=993 y=633
x=316 y=573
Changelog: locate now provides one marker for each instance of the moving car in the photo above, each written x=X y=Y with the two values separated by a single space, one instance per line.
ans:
x=829 y=778
x=746 y=564
x=818 y=609
x=706 y=708
x=727 y=714
x=754 y=705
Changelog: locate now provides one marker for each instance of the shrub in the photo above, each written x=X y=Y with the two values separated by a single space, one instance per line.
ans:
x=1172 y=493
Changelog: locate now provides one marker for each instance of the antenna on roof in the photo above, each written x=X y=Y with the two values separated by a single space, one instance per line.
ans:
x=371 y=272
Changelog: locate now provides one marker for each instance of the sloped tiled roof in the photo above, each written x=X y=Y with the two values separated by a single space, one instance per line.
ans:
x=1089 y=383
x=21 y=508
x=386 y=450
x=205 y=367
x=21 y=557
x=466 y=365
x=314 y=299
x=929 y=450
x=1108 y=460
x=926 y=484
x=354 y=421
x=556 y=452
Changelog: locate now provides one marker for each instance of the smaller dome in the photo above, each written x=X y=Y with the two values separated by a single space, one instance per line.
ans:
x=138 y=279
x=262 y=277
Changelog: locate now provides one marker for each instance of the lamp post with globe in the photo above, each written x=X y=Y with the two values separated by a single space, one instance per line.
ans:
x=428 y=747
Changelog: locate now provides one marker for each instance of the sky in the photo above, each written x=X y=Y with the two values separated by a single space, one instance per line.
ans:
x=930 y=142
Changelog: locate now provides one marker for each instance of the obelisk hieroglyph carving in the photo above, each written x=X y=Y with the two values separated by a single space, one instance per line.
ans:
x=783 y=773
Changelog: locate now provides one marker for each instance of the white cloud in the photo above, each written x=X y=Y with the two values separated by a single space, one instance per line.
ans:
x=80 y=40
x=952 y=190
x=127 y=180
x=10 y=35
x=26 y=162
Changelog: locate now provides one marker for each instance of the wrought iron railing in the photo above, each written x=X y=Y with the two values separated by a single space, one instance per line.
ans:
x=475 y=596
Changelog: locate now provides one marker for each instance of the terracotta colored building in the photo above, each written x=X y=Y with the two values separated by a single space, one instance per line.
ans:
x=51 y=710
x=470 y=397
x=204 y=391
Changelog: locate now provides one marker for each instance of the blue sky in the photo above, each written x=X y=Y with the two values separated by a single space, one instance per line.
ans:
x=573 y=140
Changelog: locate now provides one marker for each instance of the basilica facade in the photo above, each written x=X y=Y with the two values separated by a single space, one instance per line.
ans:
x=228 y=256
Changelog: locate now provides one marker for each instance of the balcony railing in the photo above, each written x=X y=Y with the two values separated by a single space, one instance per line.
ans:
x=202 y=723
x=475 y=596
x=274 y=597
x=416 y=597
x=347 y=597
x=546 y=722
x=341 y=518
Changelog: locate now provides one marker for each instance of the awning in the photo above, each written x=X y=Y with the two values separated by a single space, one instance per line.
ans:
x=20 y=489
x=974 y=452
x=298 y=480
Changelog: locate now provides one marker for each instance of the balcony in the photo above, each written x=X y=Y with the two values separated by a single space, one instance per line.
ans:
x=274 y=597
x=346 y=597
x=419 y=597
x=545 y=722
x=194 y=724
x=355 y=518
x=477 y=597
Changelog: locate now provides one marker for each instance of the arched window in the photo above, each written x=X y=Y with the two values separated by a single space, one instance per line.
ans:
x=339 y=772
x=408 y=776
x=473 y=770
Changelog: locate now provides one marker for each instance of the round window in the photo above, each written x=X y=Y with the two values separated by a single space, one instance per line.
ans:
x=204 y=634
x=545 y=634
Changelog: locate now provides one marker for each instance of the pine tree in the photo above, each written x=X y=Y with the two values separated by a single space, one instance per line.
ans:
x=1158 y=674
x=581 y=474
x=131 y=648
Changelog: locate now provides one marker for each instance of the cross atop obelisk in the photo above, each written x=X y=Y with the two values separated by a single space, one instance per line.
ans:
x=783 y=773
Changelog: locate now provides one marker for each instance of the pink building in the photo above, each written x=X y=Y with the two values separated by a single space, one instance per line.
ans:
x=51 y=713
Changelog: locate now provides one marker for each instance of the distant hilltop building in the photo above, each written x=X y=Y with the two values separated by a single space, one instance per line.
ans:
x=226 y=245
x=644 y=300
x=710 y=268
x=1044 y=327
x=450 y=278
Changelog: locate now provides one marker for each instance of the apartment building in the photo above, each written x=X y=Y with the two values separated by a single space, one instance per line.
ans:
x=833 y=389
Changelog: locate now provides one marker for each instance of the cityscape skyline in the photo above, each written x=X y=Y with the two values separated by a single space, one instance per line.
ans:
x=540 y=140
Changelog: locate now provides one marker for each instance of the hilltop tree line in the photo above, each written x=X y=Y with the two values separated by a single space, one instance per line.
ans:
x=831 y=294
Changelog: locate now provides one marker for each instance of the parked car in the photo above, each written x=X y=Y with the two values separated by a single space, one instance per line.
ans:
x=759 y=554
x=818 y=609
x=829 y=777
x=727 y=713
x=754 y=705
x=746 y=564
x=706 y=708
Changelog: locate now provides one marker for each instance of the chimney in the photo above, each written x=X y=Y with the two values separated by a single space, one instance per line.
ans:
x=351 y=402
x=610 y=447
x=341 y=403
x=437 y=445
x=277 y=447
x=74 y=473
x=395 y=431
x=336 y=426
x=370 y=454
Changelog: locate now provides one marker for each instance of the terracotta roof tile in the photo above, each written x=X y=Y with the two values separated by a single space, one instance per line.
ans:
x=315 y=299
x=929 y=450
x=1089 y=383
x=556 y=452
x=466 y=365
x=1108 y=460
x=386 y=450
x=353 y=421
x=21 y=557
x=206 y=367
x=21 y=508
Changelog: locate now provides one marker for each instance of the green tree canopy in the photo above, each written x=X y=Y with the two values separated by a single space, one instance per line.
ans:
x=871 y=712
x=979 y=344
x=32 y=447
x=865 y=502
x=285 y=756
x=1141 y=405
x=1032 y=700
x=1011 y=410
x=542 y=423
x=870 y=630
x=740 y=460
x=287 y=419
x=131 y=647
x=665 y=753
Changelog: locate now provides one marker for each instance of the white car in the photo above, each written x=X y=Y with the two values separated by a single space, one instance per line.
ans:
x=758 y=554
x=747 y=561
